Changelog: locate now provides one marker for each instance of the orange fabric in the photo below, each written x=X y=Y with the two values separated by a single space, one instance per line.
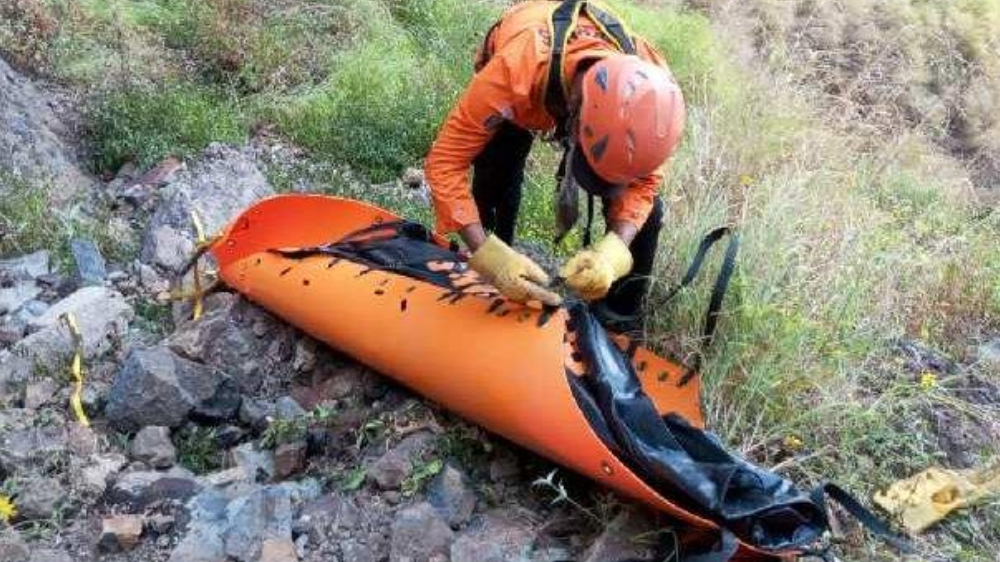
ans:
x=511 y=86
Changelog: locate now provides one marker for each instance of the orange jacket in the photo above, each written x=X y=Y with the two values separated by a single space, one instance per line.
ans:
x=511 y=86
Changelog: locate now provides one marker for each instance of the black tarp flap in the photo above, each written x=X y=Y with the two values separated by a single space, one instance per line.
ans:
x=685 y=464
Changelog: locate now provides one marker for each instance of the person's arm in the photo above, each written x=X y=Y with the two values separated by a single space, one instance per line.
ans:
x=488 y=100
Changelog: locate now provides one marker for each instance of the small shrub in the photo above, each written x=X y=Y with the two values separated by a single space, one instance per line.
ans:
x=145 y=124
x=27 y=221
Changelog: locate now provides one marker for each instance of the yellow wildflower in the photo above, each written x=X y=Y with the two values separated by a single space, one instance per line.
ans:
x=928 y=380
x=7 y=509
x=792 y=443
x=746 y=180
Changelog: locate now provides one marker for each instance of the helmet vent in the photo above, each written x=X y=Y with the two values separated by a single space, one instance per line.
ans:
x=597 y=151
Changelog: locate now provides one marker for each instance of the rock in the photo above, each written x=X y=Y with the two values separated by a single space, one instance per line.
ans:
x=139 y=489
x=389 y=471
x=305 y=355
x=33 y=140
x=156 y=387
x=28 y=266
x=988 y=354
x=151 y=280
x=413 y=178
x=357 y=552
x=32 y=447
x=450 y=494
x=265 y=514
x=286 y=408
x=91 y=268
x=619 y=540
x=419 y=534
x=12 y=546
x=257 y=465
x=255 y=413
x=152 y=445
x=81 y=440
x=92 y=479
x=499 y=536
x=289 y=459
x=50 y=555
x=199 y=545
x=39 y=497
x=160 y=524
x=13 y=297
x=120 y=532
x=329 y=382
x=39 y=393
x=11 y=331
x=280 y=550
x=218 y=188
x=102 y=316
x=224 y=338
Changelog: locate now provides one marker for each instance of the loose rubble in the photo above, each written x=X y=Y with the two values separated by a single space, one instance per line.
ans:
x=234 y=437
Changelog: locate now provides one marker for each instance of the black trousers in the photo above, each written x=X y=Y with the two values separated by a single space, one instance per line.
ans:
x=498 y=174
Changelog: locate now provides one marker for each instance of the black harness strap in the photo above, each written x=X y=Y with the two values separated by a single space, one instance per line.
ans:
x=876 y=526
x=564 y=21
x=721 y=282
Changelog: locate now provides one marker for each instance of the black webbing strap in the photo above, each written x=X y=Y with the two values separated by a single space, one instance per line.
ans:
x=563 y=20
x=612 y=28
x=721 y=282
x=875 y=525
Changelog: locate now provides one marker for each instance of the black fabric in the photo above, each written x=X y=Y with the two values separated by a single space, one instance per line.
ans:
x=402 y=247
x=687 y=464
x=497 y=177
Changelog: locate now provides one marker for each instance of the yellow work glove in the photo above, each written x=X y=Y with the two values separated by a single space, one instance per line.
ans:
x=926 y=498
x=513 y=274
x=591 y=272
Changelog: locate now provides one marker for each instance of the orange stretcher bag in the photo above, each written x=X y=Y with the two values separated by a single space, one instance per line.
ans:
x=400 y=300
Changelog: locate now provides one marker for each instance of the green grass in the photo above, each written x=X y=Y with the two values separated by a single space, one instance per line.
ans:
x=146 y=124
x=27 y=222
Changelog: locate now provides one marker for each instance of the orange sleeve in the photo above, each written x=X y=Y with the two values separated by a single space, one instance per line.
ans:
x=491 y=97
x=636 y=201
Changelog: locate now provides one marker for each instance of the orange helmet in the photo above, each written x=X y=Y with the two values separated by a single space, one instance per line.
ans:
x=630 y=121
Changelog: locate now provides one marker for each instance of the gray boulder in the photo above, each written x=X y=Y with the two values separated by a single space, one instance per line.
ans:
x=502 y=535
x=218 y=187
x=33 y=138
x=261 y=516
x=392 y=468
x=157 y=387
x=91 y=268
x=451 y=495
x=419 y=534
x=137 y=490
x=39 y=497
x=152 y=445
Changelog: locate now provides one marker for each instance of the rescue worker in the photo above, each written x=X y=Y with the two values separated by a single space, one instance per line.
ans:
x=570 y=67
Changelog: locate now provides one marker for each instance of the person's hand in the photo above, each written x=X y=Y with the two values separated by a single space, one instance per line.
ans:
x=591 y=272
x=513 y=274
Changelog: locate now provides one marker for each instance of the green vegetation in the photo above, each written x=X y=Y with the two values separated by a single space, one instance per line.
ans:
x=198 y=450
x=144 y=124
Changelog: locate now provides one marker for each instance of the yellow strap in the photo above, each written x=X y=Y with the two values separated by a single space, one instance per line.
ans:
x=76 y=368
x=200 y=234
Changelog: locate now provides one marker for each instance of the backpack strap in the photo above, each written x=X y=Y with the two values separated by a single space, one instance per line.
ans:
x=564 y=21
